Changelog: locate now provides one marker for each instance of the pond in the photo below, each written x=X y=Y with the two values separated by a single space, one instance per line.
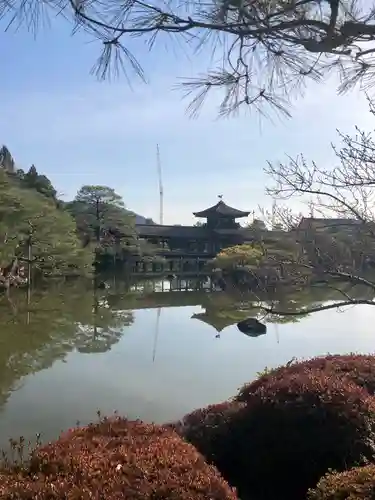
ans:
x=66 y=353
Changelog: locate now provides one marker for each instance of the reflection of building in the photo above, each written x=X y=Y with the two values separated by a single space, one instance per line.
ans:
x=217 y=319
x=220 y=230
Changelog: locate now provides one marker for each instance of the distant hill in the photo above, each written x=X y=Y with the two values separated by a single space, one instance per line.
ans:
x=139 y=219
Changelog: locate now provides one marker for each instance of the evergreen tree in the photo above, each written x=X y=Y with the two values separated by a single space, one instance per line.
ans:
x=40 y=183
x=26 y=214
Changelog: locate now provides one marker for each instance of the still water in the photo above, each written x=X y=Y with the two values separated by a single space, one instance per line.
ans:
x=66 y=353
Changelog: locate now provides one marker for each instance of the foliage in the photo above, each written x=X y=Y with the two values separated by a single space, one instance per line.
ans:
x=266 y=51
x=26 y=214
x=101 y=195
x=65 y=237
x=102 y=219
x=339 y=241
x=38 y=329
x=264 y=263
x=258 y=225
x=239 y=255
x=56 y=249
x=224 y=308
x=203 y=427
x=357 y=368
x=294 y=430
x=33 y=180
x=266 y=371
x=117 y=458
x=357 y=483
x=263 y=252
x=12 y=213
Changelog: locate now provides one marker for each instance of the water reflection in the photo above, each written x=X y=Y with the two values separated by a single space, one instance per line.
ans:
x=40 y=328
x=151 y=350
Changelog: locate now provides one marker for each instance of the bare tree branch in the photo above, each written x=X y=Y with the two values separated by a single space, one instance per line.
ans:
x=324 y=307
x=338 y=238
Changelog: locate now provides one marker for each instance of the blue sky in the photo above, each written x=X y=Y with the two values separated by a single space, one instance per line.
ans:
x=80 y=131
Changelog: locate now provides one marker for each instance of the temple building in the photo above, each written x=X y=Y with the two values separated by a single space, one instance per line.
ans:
x=221 y=216
x=219 y=230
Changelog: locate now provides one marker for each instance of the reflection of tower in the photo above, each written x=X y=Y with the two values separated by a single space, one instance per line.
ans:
x=28 y=301
x=156 y=336
x=277 y=333
x=95 y=307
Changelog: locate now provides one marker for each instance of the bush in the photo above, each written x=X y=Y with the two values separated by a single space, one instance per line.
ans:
x=355 y=484
x=115 y=459
x=360 y=369
x=203 y=427
x=291 y=432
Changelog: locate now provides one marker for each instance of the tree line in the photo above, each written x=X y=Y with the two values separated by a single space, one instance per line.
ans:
x=54 y=237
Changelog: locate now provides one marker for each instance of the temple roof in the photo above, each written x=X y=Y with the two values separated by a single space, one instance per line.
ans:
x=221 y=209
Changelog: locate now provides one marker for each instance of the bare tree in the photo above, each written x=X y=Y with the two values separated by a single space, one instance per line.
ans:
x=264 y=51
x=340 y=242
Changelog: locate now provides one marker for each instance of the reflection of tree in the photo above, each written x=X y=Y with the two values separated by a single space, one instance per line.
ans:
x=301 y=303
x=70 y=317
x=223 y=309
x=56 y=322
x=101 y=335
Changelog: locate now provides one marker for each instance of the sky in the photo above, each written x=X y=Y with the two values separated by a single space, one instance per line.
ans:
x=77 y=130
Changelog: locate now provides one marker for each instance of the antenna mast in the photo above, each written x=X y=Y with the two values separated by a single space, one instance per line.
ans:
x=274 y=208
x=161 y=192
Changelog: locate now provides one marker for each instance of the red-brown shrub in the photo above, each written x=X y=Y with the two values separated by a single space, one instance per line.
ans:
x=354 y=484
x=203 y=427
x=117 y=459
x=358 y=368
x=291 y=432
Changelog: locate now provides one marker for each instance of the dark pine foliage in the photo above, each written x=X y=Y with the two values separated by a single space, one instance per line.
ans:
x=290 y=432
x=358 y=368
x=354 y=484
x=116 y=459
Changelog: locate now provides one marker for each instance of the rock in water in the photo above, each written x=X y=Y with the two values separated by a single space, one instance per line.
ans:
x=252 y=327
